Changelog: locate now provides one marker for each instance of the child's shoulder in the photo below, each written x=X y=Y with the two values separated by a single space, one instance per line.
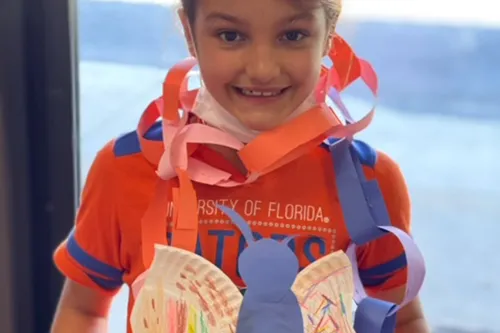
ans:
x=128 y=144
x=366 y=154
x=376 y=163
x=122 y=156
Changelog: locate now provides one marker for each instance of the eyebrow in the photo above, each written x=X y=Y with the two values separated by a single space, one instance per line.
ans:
x=214 y=16
x=303 y=16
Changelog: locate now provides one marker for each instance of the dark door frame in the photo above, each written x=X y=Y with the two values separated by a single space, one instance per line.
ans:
x=38 y=155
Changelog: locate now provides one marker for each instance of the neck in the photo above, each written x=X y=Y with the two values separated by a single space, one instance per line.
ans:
x=209 y=111
x=231 y=156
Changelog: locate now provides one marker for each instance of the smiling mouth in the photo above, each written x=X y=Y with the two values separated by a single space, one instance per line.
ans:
x=260 y=93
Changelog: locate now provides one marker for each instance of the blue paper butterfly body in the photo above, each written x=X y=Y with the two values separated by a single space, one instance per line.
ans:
x=269 y=304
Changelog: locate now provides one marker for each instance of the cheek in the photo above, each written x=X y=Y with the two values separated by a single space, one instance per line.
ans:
x=305 y=71
x=217 y=68
x=215 y=77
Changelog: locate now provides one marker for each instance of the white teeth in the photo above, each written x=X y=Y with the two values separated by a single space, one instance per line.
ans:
x=248 y=92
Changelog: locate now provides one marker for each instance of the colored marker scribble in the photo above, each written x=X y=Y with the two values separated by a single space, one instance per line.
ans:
x=193 y=320
x=203 y=324
x=342 y=305
x=323 y=304
x=182 y=316
x=190 y=269
x=210 y=303
x=172 y=316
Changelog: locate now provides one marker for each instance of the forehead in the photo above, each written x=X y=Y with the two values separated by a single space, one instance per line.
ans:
x=260 y=10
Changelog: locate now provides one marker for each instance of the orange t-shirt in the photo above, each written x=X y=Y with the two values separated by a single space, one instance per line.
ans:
x=103 y=251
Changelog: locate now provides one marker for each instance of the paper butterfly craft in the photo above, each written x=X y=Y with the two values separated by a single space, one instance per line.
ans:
x=185 y=293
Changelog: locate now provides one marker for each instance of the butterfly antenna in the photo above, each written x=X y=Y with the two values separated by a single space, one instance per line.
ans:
x=239 y=222
x=288 y=239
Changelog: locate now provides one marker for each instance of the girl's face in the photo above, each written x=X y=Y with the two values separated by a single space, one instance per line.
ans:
x=260 y=59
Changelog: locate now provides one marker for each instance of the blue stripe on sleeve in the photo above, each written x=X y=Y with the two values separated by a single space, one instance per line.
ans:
x=105 y=283
x=90 y=263
x=375 y=282
x=379 y=274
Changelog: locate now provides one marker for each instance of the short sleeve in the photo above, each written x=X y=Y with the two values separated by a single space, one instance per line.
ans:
x=91 y=253
x=382 y=263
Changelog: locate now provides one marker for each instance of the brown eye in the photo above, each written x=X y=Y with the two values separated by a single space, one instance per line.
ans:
x=230 y=36
x=293 y=36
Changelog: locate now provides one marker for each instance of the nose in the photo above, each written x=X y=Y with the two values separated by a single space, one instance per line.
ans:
x=262 y=65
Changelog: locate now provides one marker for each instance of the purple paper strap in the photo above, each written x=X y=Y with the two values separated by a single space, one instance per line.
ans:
x=366 y=223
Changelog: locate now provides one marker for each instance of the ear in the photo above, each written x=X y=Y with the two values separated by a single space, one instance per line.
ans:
x=188 y=34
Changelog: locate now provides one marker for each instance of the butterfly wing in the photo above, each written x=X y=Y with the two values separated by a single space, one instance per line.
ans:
x=184 y=292
x=325 y=290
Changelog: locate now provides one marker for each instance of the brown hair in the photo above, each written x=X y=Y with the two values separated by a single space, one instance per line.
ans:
x=332 y=10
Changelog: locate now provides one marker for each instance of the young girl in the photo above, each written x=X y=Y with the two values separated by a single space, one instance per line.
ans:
x=260 y=61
